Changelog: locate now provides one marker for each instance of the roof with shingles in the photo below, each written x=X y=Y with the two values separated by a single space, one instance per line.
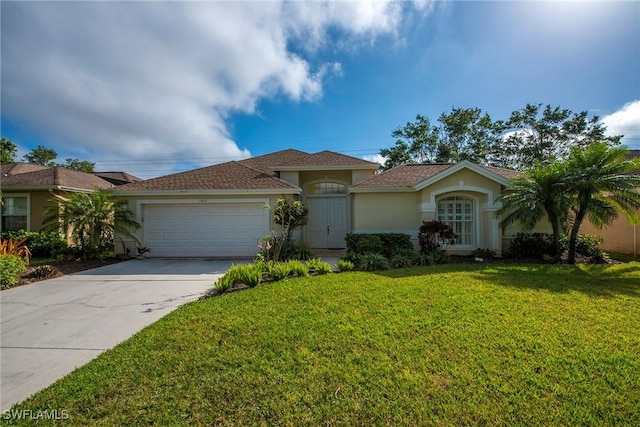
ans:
x=18 y=168
x=265 y=162
x=52 y=177
x=224 y=176
x=117 y=178
x=412 y=175
x=327 y=158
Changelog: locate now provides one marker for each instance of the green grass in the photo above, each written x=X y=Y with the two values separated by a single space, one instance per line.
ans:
x=622 y=257
x=443 y=345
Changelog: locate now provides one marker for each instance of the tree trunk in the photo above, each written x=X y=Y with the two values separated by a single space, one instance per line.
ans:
x=574 y=235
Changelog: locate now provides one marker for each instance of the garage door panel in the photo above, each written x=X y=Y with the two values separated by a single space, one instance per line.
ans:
x=193 y=230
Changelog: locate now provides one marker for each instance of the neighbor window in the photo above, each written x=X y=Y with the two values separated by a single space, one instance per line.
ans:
x=326 y=188
x=458 y=213
x=14 y=213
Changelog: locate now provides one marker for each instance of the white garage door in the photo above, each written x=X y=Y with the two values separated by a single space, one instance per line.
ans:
x=204 y=230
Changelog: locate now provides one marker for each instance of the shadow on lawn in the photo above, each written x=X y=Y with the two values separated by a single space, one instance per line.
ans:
x=594 y=280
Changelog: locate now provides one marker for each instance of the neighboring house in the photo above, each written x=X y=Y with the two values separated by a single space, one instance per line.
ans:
x=219 y=210
x=621 y=235
x=27 y=190
x=118 y=178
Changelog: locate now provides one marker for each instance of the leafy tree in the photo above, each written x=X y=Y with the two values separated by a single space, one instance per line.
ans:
x=290 y=214
x=79 y=165
x=531 y=197
x=599 y=185
x=531 y=136
x=538 y=136
x=41 y=156
x=91 y=220
x=8 y=151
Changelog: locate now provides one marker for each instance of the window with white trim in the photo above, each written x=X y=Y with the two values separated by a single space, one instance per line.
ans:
x=458 y=212
x=14 y=213
x=327 y=188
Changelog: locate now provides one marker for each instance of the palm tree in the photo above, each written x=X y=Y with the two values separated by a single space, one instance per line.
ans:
x=600 y=186
x=537 y=194
x=91 y=219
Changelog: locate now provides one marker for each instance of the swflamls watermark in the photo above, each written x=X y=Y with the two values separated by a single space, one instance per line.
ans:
x=39 y=415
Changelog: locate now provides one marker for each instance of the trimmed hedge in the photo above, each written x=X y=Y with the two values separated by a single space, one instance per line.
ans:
x=386 y=244
x=10 y=267
x=41 y=244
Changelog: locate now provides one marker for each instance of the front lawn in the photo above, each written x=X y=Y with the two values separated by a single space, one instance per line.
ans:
x=444 y=345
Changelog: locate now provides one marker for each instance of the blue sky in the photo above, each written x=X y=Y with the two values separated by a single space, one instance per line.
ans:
x=153 y=88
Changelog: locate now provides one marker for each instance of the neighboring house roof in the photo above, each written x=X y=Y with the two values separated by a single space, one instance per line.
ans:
x=51 y=178
x=18 y=168
x=410 y=177
x=232 y=176
x=118 y=178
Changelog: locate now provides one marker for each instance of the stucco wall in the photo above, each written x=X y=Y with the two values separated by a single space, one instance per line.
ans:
x=306 y=177
x=620 y=236
x=385 y=212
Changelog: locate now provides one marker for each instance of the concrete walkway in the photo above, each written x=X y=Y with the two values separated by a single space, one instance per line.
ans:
x=51 y=327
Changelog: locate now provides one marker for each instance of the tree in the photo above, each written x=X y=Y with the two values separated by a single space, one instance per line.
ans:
x=531 y=136
x=599 y=185
x=538 y=137
x=41 y=156
x=8 y=151
x=531 y=197
x=91 y=219
x=79 y=165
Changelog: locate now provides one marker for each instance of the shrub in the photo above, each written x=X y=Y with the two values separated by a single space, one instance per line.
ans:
x=10 y=267
x=43 y=272
x=40 y=243
x=319 y=266
x=435 y=235
x=298 y=268
x=344 y=265
x=223 y=284
x=403 y=259
x=373 y=262
x=250 y=274
x=351 y=257
x=296 y=250
x=438 y=256
x=15 y=247
x=280 y=271
x=531 y=245
x=384 y=243
x=423 y=260
x=587 y=245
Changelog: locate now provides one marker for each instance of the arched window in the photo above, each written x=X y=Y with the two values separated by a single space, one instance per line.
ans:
x=326 y=188
x=458 y=212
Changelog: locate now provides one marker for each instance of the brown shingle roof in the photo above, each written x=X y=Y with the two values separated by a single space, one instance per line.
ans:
x=327 y=158
x=225 y=176
x=412 y=175
x=118 y=178
x=18 y=168
x=55 y=176
x=265 y=162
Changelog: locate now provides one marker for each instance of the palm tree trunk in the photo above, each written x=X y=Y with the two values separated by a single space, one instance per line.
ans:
x=574 y=235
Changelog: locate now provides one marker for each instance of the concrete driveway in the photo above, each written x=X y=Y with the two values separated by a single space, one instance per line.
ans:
x=51 y=327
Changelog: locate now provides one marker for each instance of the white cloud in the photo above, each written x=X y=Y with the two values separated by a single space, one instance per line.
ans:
x=625 y=121
x=376 y=158
x=158 y=80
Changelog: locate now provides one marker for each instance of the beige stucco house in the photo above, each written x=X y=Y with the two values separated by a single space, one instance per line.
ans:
x=222 y=210
x=27 y=190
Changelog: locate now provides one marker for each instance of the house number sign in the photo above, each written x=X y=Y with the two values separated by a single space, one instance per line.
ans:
x=203 y=201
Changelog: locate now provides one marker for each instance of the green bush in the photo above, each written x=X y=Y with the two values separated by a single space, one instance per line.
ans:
x=531 y=245
x=10 y=267
x=298 y=268
x=41 y=244
x=296 y=250
x=404 y=259
x=344 y=265
x=384 y=243
x=373 y=262
x=223 y=284
x=351 y=257
x=319 y=266
x=587 y=245
x=250 y=274
x=438 y=256
x=280 y=271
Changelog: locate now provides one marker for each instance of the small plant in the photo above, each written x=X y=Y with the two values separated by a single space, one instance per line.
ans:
x=439 y=256
x=143 y=250
x=344 y=265
x=373 y=262
x=43 y=272
x=280 y=271
x=352 y=257
x=423 y=260
x=531 y=245
x=15 y=247
x=323 y=268
x=250 y=274
x=223 y=284
x=10 y=267
x=298 y=268
x=403 y=259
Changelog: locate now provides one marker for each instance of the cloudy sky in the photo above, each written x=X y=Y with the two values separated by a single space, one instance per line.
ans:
x=157 y=87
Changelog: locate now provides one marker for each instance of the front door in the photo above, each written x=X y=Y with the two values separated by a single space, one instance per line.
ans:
x=327 y=224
